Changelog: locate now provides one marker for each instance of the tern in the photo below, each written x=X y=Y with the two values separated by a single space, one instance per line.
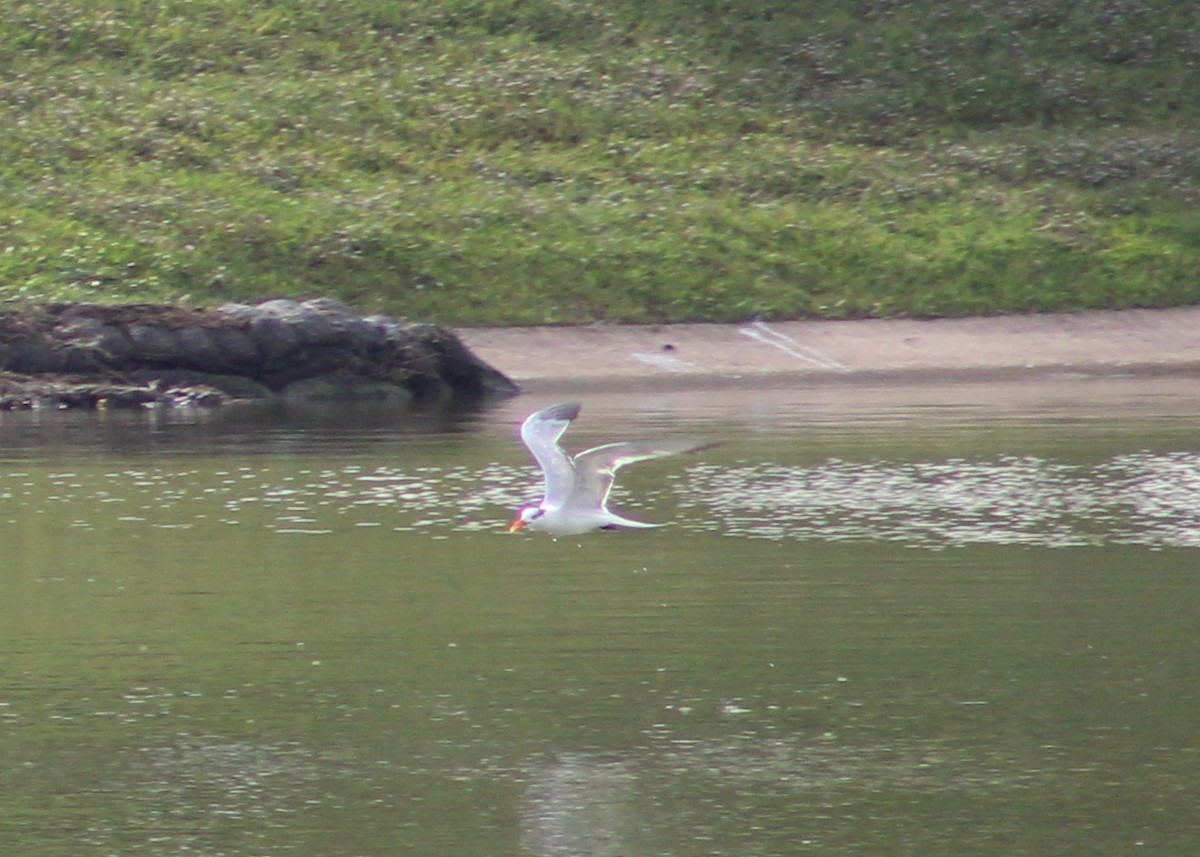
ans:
x=576 y=487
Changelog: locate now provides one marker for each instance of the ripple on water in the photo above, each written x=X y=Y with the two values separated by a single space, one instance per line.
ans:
x=1139 y=498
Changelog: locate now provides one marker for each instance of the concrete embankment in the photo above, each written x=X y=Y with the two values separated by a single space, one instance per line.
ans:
x=604 y=357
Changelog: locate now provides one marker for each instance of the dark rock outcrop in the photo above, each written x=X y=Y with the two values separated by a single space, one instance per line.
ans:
x=89 y=355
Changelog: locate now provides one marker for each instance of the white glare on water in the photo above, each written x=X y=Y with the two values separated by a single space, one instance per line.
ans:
x=1141 y=498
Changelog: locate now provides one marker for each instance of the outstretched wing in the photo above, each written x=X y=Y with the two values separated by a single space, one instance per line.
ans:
x=595 y=469
x=540 y=432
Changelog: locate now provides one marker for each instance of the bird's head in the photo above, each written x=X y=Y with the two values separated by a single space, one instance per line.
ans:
x=525 y=516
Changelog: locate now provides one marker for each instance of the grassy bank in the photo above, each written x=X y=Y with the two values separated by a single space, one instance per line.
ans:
x=528 y=161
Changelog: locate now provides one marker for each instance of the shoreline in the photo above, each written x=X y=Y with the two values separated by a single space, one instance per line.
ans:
x=1058 y=346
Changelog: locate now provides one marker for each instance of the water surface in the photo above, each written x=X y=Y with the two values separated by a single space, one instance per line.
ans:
x=960 y=620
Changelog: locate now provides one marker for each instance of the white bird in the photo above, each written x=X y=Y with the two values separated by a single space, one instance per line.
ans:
x=576 y=487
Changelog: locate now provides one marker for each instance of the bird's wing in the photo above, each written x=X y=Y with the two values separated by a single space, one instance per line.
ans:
x=540 y=432
x=595 y=469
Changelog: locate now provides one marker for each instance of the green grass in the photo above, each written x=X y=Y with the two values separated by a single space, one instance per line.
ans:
x=530 y=161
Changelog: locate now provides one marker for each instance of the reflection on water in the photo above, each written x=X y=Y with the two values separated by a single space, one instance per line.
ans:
x=1131 y=498
x=578 y=804
x=585 y=804
x=1136 y=498
x=318 y=639
x=231 y=780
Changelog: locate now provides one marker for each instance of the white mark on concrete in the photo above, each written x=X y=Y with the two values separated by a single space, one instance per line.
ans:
x=761 y=332
x=665 y=362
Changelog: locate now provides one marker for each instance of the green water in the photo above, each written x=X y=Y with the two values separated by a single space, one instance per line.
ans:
x=248 y=636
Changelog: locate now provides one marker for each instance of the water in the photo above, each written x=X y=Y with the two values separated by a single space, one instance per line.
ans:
x=935 y=622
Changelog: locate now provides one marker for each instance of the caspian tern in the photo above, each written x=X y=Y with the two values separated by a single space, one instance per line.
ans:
x=576 y=488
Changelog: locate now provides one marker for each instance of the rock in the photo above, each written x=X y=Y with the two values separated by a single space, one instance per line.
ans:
x=339 y=389
x=359 y=332
x=93 y=346
x=310 y=362
x=310 y=325
x=198 y=348
x=458 y=368
x=153 y=344
x=233 y=387
x=313 y=349
x=32 y=356
x=243 y=314
x=114 y=344
x=274 y=338
x=237 y=348
x=25 y=393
